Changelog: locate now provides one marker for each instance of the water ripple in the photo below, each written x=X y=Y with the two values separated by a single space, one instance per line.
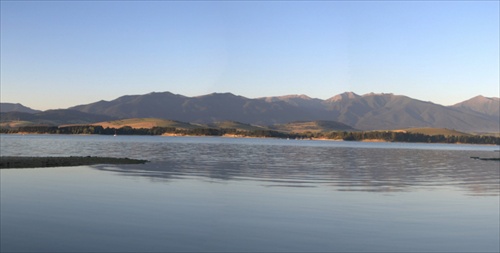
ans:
x=343 y=166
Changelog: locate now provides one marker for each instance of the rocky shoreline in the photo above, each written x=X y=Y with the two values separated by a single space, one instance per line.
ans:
x=8 y=162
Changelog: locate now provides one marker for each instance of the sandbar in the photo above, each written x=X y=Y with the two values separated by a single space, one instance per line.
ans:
x=9 y=162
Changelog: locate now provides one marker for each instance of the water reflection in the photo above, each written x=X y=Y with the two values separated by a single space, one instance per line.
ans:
x=344 y=169
x=345 y=166
x=224 y=195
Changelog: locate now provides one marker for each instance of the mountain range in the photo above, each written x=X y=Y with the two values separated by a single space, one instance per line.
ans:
x=364 y=112
x=11 y=107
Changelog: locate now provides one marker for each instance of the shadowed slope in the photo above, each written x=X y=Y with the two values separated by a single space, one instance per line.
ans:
x=313 y=126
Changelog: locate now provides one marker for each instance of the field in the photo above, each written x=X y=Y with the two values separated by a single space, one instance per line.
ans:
x=236 y=125
x=147 y=123
x=15 y=124
x=312 y=126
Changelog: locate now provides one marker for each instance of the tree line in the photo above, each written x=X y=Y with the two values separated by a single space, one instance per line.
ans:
x=391 y=136
x=127 y=130
x=335 y=135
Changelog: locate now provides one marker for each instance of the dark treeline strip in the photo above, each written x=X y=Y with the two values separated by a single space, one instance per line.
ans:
x=146 y=131
x=408 y=137
x=336 y=135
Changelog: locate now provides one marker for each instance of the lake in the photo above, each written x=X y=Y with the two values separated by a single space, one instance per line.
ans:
x=249 y=195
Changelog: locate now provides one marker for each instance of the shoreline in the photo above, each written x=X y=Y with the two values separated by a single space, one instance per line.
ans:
x=258 y=137
x=17 y=162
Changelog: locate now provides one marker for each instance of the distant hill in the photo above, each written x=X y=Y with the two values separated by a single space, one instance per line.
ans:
x=480 y=104
x=11 y=107
x=389 y=111
x=146 y=123
x=313 y=126
x=365 y=112
x=302 y=101
x=49 y=118
x=15 y=124
x=209 y=108
x=236 y=125
x=17 y=116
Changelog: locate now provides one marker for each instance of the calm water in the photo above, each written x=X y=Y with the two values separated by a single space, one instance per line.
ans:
x=223 y=194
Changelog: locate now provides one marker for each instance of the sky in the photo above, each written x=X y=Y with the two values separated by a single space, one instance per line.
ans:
x=57 y=54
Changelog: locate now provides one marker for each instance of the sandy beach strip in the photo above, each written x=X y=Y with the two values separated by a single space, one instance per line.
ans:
x=7 y=162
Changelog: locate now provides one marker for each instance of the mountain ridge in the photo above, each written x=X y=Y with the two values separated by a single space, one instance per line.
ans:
x=365 y=112
x=17 y=107
x=481 y=104
x=52 y=117
x=370 y=111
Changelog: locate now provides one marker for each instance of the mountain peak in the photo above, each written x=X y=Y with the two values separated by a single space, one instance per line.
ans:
x=301 y=96
x=479 y=99
x=343 y=96
x=481 y=104
x=482 y=98
x=291 y=99
x=16 y=107
x=367 y=112
x=378 y=94
x=218 y=94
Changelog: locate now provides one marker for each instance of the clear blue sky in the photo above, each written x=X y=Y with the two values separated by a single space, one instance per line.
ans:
x=56 y=54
